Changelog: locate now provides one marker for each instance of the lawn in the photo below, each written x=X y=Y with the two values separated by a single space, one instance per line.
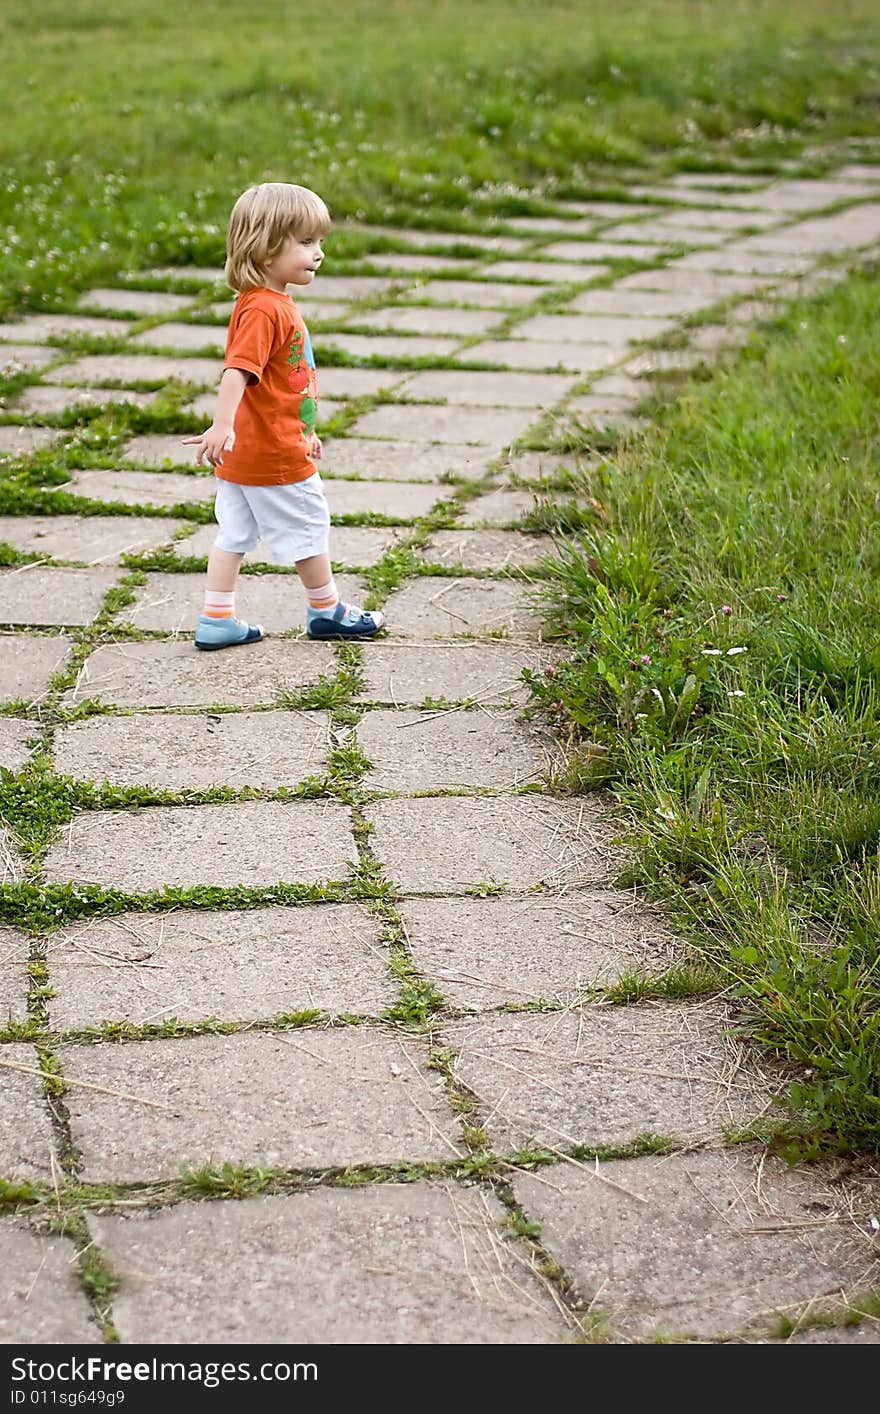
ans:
x=129 y=127
x=723 y=679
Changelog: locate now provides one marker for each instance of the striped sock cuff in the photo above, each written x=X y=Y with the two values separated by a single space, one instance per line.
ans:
x=218 y=605
x=324 y=597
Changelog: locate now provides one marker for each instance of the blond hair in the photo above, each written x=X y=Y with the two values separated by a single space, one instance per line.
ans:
x=261 y=221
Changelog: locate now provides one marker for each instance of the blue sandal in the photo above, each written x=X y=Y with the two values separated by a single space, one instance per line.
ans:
x=345 y=621
x=225 y=633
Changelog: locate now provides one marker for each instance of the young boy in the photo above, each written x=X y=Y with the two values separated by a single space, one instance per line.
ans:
x=262 y=443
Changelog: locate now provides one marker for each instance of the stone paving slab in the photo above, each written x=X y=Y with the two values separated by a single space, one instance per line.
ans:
x=329 y=408
x=479 y=389
x=27 y=1146
x=604 y=1075
x=204 y=404
x=656 y=233
x=484 y=672
x=486 y=549
x=11 y=864
x=750 y=262
x=27 y=662
x=170 y=751
x=754 y=311
x=350 y=288
x=405 y=500
x=824 y=235
x=555 y=225
x=641 y=303
x=357 y=382
x=486 y=952
x=33 y=595
x=587 y=405
x=719 y=1243
x=39 y=401
x=595 y=219
x=16 y=441
x=796 y=196
x=415 y=262
x=137 y=368
x=744 y=198
x=140 y=302
x=498 y=508
x=868 y=1333
x=238 y=965
x=439 y=607
x=14 y=980
x=592 y=250
x=404 y=461
x=430 y=319
x=594 y=328
x=187 y=338
x=546 y=354
x=359 y=546
x=143 y=488
x=518 y=841
x=729 y=181
x=26 y=358
x=446 y=238
x=617 y=385
x=535 y=466
x=601 y=210
x=490 y=427
x=173 y=602
x=859 y=172
x=35 y=328
x=712 y=285
x=390 y=346
x=41 y=1299
x=724 y=219
x=324 y=315
x=154 y=674
x=254 y=843
x=485 y=295
x=439 y=750
x=189 y=274
x=14 y=735
x=351 y=545
x=653 y=361
x=86 y=538
x=709 y=338
x=537 y=269
x=159 y=449
x=390 y=1264
x=604 y=411
x=311 y=1098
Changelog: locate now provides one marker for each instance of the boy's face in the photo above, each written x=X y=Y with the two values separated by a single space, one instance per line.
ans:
x=297 y=262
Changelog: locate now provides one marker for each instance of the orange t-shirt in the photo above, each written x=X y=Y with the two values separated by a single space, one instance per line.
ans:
x=275 y=419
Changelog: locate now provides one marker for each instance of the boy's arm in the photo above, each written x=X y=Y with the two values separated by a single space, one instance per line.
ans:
x=220 y=436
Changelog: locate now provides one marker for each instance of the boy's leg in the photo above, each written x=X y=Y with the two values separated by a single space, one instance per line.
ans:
x=218 y=627
x=326 y=615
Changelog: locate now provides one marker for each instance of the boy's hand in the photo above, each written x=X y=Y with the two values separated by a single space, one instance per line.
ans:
x=316 y=449
x=210 y=445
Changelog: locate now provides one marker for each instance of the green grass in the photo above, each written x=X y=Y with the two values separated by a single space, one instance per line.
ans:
x=724 y=679
x=129 y=128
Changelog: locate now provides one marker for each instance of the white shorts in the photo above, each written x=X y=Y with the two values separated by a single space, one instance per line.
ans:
x=293 y=521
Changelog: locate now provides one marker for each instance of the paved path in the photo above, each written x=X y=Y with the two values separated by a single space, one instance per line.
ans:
x=353 y=994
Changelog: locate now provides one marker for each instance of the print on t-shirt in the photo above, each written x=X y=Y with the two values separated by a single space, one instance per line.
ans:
x=302 y=379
